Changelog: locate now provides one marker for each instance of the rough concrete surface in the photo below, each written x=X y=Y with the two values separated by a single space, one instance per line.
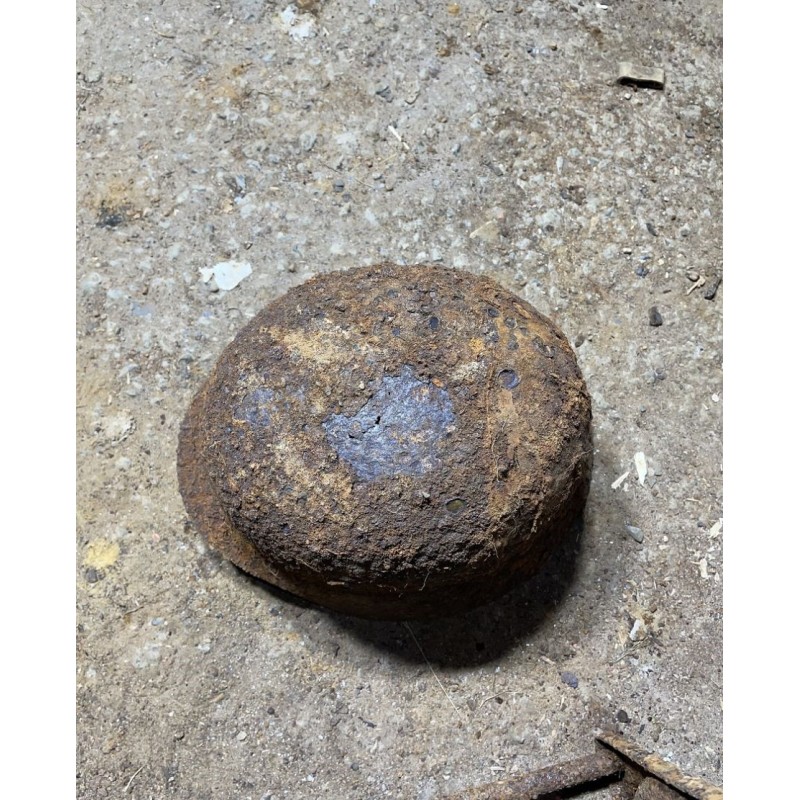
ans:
x=300 y=139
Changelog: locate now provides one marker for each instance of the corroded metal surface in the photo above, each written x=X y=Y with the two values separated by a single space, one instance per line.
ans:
x=635 y=773
x=390 y=441
x=580 y=774
x=654 y=765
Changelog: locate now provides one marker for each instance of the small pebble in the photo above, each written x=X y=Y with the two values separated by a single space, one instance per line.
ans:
x=636 y=533
x=307 y=140
x=711 y=289
x=622 y=716
x=338 y=185
x=655 y=317
x=651 y=228
x=570 y=678
x=92 y=575
x=241 y=736
x=642 y=271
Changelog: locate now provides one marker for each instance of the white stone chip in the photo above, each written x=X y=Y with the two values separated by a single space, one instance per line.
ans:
x=641 y=466
x=227 y=274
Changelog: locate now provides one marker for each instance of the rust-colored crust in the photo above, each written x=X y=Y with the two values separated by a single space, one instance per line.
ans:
x=392 y=442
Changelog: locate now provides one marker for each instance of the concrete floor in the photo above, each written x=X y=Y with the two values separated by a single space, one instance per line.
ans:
x=301 y=139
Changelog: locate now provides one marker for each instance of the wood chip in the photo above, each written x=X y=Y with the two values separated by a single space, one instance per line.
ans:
x=619 y=481
x=701 y=281
x=488 y=232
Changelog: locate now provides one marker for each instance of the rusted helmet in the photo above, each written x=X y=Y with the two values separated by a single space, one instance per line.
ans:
x=389 y=441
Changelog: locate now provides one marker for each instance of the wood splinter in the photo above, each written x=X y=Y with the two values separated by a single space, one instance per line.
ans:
x=644 y=776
